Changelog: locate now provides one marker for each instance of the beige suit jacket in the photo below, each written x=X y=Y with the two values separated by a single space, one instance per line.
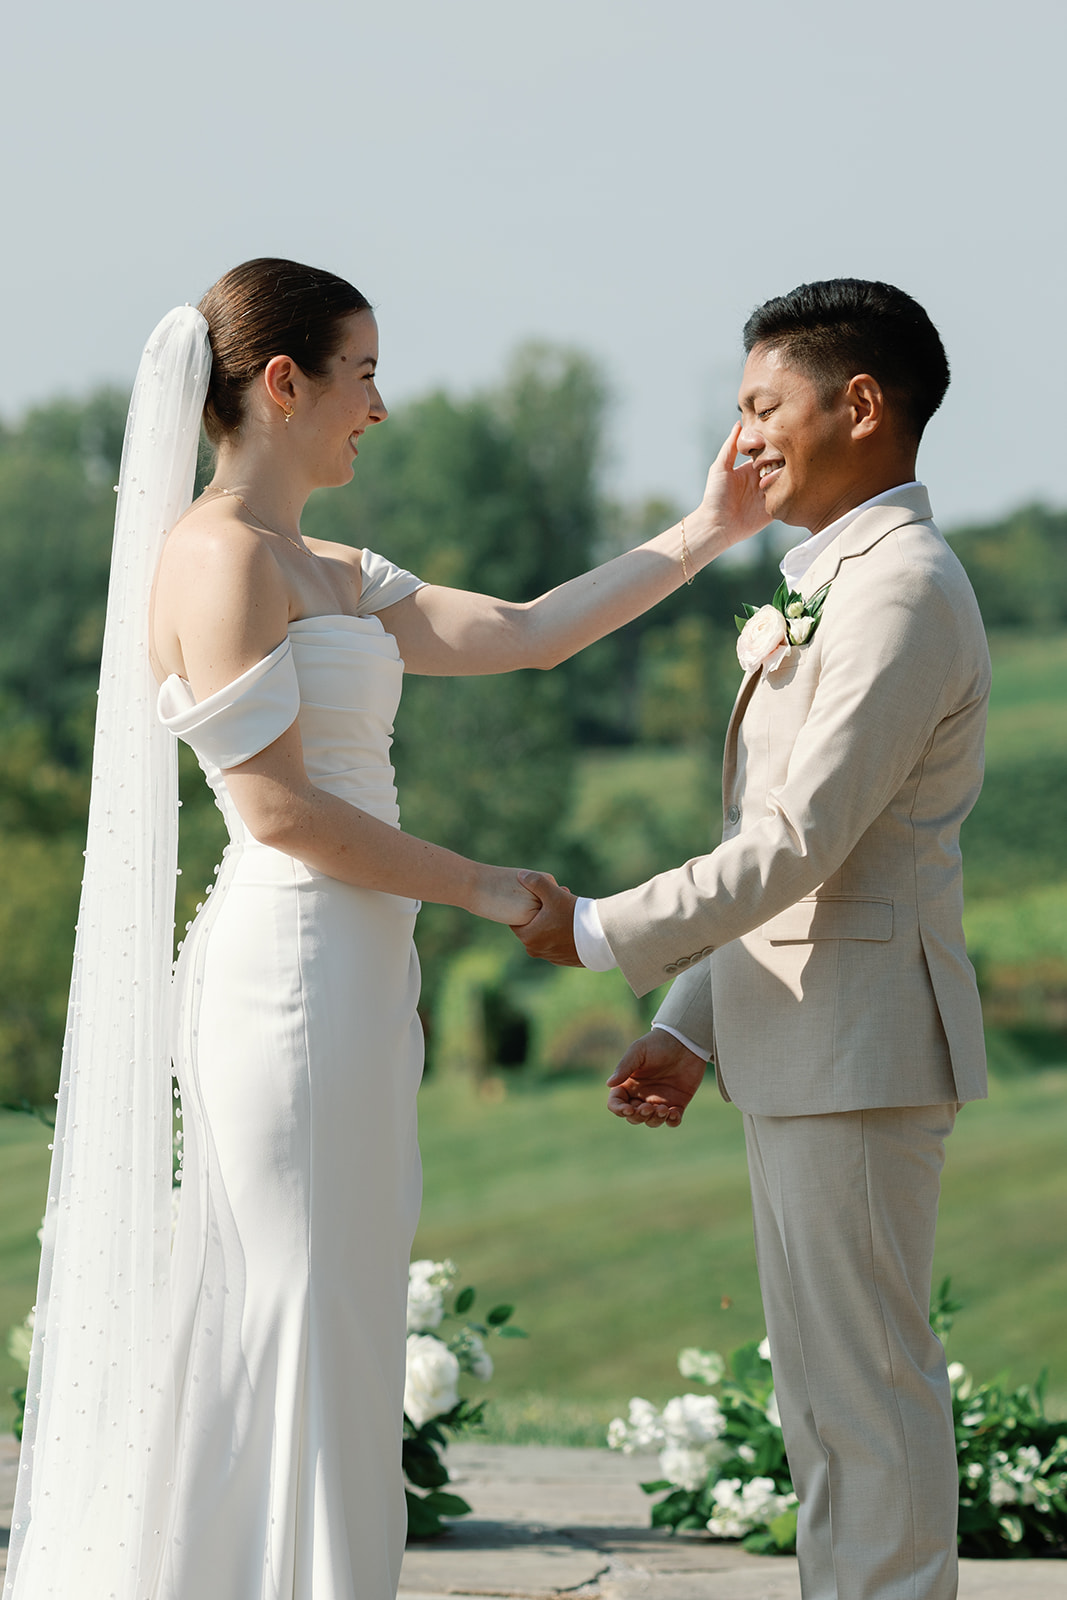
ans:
x=821 y=946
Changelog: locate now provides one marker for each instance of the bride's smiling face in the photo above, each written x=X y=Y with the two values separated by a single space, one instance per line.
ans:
x=339 y=408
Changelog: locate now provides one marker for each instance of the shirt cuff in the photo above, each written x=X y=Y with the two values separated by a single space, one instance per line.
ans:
x=697 y=1049
x=593 y=949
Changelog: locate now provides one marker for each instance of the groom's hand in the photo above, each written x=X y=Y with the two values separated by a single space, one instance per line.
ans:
x=655 y=1081
x=550 y=935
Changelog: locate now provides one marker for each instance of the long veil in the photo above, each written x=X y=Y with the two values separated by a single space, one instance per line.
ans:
x=90 y=1500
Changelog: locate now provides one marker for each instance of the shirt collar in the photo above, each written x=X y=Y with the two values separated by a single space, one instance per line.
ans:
x=796 y=561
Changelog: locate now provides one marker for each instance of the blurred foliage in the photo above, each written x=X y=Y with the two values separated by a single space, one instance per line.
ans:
x=604 y=771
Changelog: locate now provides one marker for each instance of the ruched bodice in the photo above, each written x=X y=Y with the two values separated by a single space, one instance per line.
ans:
x=339 y=678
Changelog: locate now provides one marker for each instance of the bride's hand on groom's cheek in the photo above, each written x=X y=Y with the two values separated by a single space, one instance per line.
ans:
x=550 y=933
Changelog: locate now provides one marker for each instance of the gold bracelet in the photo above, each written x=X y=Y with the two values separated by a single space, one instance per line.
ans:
x=685 y=553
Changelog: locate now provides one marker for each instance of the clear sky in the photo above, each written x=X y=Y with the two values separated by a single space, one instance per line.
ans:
x=629 y=176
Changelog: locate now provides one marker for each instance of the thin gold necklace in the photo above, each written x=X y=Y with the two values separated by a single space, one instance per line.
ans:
x=233 y=495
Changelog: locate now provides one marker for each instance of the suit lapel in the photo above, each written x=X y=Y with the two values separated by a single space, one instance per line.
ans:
x=908 y=505
x=729 y=757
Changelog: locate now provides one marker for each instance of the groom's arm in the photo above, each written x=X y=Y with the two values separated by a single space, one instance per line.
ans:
x=896 y=663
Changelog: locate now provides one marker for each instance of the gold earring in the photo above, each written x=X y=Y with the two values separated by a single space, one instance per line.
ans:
x=288 y=413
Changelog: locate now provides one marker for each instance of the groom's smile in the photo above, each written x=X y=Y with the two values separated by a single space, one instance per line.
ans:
x=797 y=440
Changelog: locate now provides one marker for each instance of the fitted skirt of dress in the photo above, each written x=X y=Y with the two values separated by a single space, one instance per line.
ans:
x=298 y=1054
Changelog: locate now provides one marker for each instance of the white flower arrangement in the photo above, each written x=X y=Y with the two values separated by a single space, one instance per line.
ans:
x=724 y=1467
x=721 y=1457
x=432 y=1401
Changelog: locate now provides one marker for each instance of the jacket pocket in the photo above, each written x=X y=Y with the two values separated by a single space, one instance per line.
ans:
x=830 y=917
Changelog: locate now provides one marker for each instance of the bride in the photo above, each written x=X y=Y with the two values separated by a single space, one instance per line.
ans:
x=228 y=1422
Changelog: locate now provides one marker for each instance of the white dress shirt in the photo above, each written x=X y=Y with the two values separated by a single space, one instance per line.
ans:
x=590 y=941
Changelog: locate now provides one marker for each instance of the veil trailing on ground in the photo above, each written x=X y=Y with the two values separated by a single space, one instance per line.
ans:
x=90 y=1502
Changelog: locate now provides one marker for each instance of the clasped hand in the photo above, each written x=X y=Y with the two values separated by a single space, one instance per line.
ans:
x=549 y=935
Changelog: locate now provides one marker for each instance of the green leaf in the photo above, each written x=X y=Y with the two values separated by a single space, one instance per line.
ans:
x=783 y=1529
x=499 y=1315
x=423 y=1521
x=447 y=1505
x=780 y=598
x=740 y=622
x=513 y=1333
x=656 y=1485
x=759 y=1542
x=464 y=1301
x=421 y=1465
x=749 y=1367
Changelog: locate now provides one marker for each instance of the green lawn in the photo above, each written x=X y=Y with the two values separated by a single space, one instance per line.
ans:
x=1029 y=699
x=619 y=1246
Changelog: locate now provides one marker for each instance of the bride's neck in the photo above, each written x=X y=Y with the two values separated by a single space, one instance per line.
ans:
x=262 y=477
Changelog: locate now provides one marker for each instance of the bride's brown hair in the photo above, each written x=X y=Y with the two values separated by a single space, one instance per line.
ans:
x=264 y=308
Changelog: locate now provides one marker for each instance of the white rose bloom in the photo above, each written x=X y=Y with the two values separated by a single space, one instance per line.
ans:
x=763 y=640
x=479 y=1361
x=646 y=1425
x=741 y=1507
x=693 y=1419
x=764 y=1348
x=430 y=1388
x=619 y=1436
x=703 y=1364
x=686 y=1467
x=427 y=1283
x=772 y=1413
x=1002 y=1492
x=799 y=628
x=727 y=1520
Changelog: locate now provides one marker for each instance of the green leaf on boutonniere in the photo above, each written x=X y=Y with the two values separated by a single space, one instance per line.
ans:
x=817 y=601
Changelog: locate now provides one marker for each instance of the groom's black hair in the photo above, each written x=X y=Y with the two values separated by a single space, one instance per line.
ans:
x=834 y=330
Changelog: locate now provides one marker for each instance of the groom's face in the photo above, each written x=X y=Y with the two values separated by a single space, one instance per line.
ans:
x=798 y=440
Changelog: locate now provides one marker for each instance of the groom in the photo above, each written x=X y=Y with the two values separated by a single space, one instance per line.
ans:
x=818 y=953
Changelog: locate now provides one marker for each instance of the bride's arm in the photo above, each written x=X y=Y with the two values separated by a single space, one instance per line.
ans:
x=282 y=808
x=451 y=632
x=222 y=606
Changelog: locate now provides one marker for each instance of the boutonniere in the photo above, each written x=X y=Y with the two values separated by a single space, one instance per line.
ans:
x=768 y=633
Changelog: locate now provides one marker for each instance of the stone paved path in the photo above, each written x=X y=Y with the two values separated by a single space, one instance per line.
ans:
x=573 y=1525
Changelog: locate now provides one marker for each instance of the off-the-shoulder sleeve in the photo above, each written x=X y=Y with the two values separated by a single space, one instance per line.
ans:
x=238 y=721
x=384 y=584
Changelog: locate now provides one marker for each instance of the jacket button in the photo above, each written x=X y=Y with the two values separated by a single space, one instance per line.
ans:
x=734 y=814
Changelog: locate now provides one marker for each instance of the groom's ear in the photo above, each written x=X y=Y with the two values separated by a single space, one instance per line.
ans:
x=866 y=401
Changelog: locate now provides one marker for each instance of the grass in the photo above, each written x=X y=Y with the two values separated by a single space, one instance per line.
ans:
x=24 y=1161
x=1029 y=696
x=618 y=1247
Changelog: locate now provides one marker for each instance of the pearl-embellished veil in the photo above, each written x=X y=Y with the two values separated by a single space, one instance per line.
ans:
x=91 y=1496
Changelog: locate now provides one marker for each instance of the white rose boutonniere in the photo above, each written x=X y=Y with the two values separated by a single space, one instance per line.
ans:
x=769 y=633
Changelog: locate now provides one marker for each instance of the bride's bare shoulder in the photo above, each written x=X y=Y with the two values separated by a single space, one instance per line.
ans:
x=210 y=539
x=219 y=598
x=346 y=555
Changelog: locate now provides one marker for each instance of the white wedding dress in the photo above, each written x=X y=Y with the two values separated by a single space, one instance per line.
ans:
x=298 y=1054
